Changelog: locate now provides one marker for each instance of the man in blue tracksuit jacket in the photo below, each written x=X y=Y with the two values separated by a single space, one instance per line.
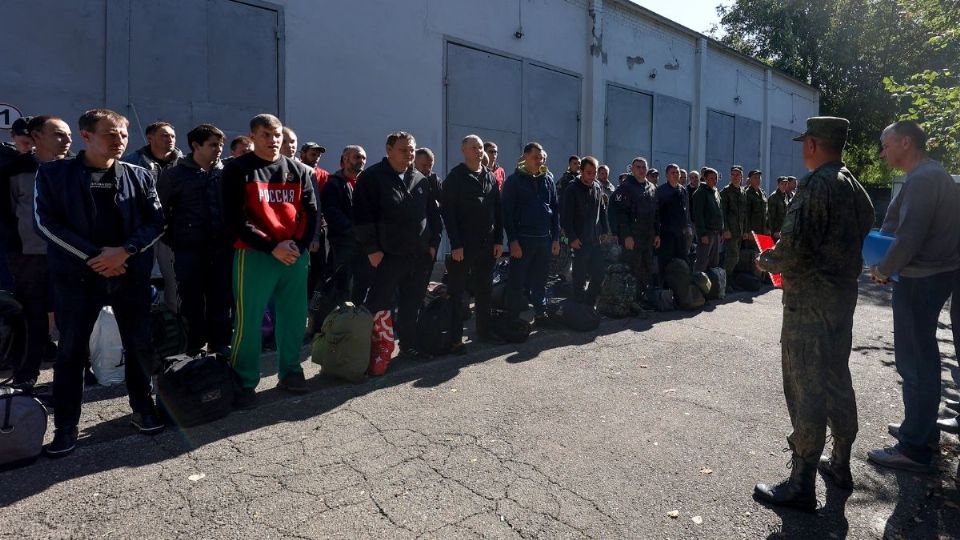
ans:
x=100 y=218
x=531 y=218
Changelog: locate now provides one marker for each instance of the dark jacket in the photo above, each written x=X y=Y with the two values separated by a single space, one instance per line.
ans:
x=756 y=209
x=706 y=212
x=336 y=205
x=17 y=181
x=470 y=204
x=399 y=217
x=64 y=213
x=634 y=211
x=565 y=180
x=530 y=206
x=734 y=205
x=776 y=211
x=192 y=202
x=584 y=213
x=143 y=158
x=673 y=206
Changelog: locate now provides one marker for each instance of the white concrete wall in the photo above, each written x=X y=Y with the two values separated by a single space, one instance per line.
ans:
x=356 y=71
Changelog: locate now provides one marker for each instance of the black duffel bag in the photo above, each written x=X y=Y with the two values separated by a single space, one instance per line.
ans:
x=194 y=390
x=574 y=315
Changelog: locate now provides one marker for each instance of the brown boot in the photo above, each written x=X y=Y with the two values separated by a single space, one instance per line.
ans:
x=798 y=491
x=837 y=467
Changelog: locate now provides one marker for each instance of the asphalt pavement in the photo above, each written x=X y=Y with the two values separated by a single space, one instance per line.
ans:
x=651 y=427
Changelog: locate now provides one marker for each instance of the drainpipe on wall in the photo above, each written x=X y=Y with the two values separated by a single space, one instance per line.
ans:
x=765 y=133
x=594 y=96
x=698 y=135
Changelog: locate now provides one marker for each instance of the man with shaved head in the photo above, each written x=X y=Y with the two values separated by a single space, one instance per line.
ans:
x=470 y=204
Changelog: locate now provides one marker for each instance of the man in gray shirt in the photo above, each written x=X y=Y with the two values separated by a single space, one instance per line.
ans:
x=925 y=221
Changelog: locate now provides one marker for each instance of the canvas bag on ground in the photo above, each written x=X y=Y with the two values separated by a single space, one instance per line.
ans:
x=574 y=315
x=434 y=335
x=618 y=292
x=510 y=328
x=342 y=347
x=23 y=423
x=194 y=390
x=718 y=283
x=106 y=349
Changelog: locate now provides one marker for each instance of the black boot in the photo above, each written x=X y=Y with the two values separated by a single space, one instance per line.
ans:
x=837 y=467
x=798 y=491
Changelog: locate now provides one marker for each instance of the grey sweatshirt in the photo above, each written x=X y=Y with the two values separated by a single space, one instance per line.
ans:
x=925 y=219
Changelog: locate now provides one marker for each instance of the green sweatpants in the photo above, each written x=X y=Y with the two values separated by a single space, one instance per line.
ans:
x=257 y=277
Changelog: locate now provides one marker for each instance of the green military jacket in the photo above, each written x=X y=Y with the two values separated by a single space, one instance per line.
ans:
x=776 y=211
x=756 y=209
x=822 y=237
x=734 y=210
x=705 y=210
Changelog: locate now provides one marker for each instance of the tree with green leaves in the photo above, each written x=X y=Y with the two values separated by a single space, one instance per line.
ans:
x=933 y=95
x=846 y=49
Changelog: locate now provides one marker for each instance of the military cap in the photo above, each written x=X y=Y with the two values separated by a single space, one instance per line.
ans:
x=313 y=146
x=753 y=172
x=828 y=128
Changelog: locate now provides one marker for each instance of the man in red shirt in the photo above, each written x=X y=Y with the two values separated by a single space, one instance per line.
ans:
x=270 y=208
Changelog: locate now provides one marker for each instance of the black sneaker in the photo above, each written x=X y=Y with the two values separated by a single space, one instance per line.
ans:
x=245 y=399
x=458 y=349
x=147 y=423
x=64 y=443
x=89 y=379
x=294 y=383
x=413 y=354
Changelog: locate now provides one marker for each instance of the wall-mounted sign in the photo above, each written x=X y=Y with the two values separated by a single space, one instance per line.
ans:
x=8 y=115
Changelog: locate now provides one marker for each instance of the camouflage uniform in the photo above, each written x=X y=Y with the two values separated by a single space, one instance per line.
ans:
x=819 y=257
x=733 y=203
x=756 y=210
x=776 y=211
x=634 y=213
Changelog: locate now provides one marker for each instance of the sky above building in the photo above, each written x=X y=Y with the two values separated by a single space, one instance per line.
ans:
x=697 y=15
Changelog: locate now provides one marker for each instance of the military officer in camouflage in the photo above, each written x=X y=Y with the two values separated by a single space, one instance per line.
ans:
x=756 y=204
x=734 y=220
x=777 y=208
x=819 y=258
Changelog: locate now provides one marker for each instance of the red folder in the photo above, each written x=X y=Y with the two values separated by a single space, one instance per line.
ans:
x=765 y=242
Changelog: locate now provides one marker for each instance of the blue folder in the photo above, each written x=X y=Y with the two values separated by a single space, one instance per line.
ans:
x=875 y=247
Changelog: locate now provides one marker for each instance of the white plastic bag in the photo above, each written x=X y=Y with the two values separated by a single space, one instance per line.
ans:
x=106 y=349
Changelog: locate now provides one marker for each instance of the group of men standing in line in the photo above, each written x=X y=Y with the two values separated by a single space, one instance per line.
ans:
x=232 y=236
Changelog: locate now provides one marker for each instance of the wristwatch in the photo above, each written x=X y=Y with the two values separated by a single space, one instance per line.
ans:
x=130 y=249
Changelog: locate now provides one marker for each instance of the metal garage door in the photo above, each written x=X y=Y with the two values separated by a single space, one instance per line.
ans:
x=482 y=97
x=746 y=150
x=786 y=157
x=720 y=136
x=510 y=101
x=629 y=122
x=672 y=141
x=202 y=72
x=54 y=64
x=551 y=112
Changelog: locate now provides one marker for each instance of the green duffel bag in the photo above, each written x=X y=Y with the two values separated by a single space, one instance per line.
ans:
x=342 y=347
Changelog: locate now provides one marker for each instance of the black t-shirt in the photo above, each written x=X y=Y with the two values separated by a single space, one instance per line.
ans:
x=108 y=221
